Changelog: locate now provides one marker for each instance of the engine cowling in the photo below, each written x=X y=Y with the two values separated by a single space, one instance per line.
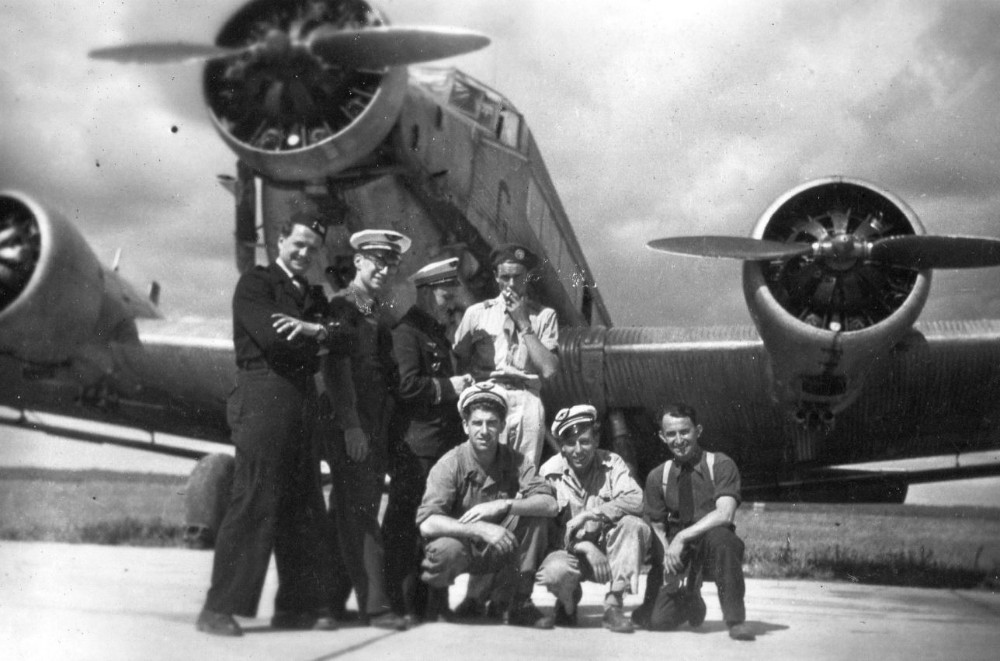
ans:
x=289 y=114
x=52 y=284
x=827 y=320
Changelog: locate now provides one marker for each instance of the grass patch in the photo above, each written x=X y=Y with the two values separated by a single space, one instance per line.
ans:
x=944 y=547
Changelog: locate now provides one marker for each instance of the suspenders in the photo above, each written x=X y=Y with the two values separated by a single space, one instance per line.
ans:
x=709 y=461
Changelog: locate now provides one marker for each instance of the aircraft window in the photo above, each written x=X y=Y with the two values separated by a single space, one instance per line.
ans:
x=439 y=118
x=509 y=128
x=465 y=98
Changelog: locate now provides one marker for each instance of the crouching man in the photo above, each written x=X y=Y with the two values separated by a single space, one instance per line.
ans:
x=599 y=535
x=485 y=511
x=690 y=502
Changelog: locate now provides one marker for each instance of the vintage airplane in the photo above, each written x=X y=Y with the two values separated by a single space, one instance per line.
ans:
x=318 y=102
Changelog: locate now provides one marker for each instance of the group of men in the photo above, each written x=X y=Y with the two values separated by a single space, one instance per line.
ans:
x=459 y=425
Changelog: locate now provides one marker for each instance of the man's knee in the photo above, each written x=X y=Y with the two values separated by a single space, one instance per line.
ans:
x=444 y=559
x=558 y=569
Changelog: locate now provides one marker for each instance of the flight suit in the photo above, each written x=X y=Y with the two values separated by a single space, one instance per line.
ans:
x=357 y=485
x=429 y=426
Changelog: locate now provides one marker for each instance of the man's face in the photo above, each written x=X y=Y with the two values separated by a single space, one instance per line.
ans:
x=444 y=295
x=375 y=270
x=298 y=248
x=681 y=436
x=579 y=449
x=483 y=428
x=512 y=276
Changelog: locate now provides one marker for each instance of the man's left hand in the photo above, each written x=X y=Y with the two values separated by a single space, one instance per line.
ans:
x=672 y=556
x=294 y=327
x=493 y=510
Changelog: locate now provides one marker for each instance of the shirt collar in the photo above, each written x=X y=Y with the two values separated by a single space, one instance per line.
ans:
x=281 y=264
x=366 y=303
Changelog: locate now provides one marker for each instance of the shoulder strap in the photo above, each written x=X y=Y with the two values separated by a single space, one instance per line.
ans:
x=666 y=475
x=709 y=461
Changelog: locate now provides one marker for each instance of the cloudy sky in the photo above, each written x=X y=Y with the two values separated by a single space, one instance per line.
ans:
x=655 y=118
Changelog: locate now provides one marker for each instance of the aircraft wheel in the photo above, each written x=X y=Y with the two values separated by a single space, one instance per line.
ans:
x=206 y=499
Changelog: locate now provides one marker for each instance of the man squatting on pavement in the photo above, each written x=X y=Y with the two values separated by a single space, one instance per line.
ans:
x=276 y=498
x=599 y=534
x=690 y=502
x=485 y=511
x=362 y=381
x=428 y=392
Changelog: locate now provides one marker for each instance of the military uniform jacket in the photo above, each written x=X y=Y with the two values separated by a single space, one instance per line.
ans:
x=427 y=410
x=264 y=291
x=373 y=367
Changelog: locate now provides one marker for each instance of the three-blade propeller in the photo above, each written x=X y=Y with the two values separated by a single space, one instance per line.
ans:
x=911 y=251
x=366 y=48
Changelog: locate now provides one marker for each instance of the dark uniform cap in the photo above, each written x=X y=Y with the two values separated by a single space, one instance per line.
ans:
x=513 y=252
x=567 y=420
x=484 y=391
x=385 y=240
x=311 y=219
x=437 y=273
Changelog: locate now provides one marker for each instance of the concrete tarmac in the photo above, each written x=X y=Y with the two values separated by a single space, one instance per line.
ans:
x=69 y=602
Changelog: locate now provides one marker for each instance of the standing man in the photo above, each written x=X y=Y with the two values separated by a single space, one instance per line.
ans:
x=513 y=340
x=362 y=383
x=600 y=535
x=276 y=500
x=428 y=391
x=485 y=510
x=691 y=503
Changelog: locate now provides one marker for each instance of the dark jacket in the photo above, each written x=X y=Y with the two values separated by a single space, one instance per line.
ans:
x=423 y=352
x=260 y=293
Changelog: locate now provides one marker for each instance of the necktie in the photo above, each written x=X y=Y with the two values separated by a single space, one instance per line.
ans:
x=685 y=495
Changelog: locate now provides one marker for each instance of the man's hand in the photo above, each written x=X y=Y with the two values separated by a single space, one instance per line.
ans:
x=517 y=310
x=672 y=560
x=493 y=510
x=294 y=327
x=356 y=443
x=496 y=536
x=598 y=561
x=460 y=383
x=580 y=523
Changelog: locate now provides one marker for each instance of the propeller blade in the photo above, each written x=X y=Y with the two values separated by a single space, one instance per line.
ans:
x=937 y=252
x=377 y=48
x=731 y=247
x=163 y=53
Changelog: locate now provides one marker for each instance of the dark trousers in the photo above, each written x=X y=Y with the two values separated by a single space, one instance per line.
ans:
x=513 y=573
x=403 y=548
x=276 y=502
x=355 y=497
x=718 y=552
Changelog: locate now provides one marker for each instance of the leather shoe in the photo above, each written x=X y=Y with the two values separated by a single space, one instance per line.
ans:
x=388 y=620
x=325 y=621
x=614 y=620
x=526 y=614
x=469 y=609
x=741 y=631
x=640 y=616
x=293 y=620
x=696 y=610
x=564 y=619
x=218 y=624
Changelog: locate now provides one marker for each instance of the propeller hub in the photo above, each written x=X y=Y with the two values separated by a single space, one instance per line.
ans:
x=840 y=252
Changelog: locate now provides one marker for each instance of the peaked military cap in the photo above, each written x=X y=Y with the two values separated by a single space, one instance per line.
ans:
x=386 y=240
x=513 y=252
x=567 y=420
x=484 y=391
x=437 y=273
